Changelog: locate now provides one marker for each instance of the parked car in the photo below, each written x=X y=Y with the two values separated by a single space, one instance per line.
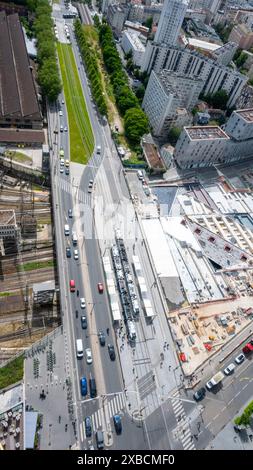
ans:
x=84 y=322
x=88 y=356
x=68 y=252
x=199 y=394
x=88 y=426
x=60 y=113
x=76 y=256
x=117 y=423
x=111 y=351
x=101 y=337
x=82 y=302
x=83 y=386
x=65 y=129
x=239 y=359
x=70 y=214
x=100 y=288
x=229 y=369
x=67 y=171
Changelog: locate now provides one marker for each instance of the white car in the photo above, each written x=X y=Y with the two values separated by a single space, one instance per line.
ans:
x=76 y=256
x=61 y=169
x=239 y=359
x=62 y=162
x=82 y=302
x=60 y=113
x=88 y=356
x=62 y=102
x=65 y=129
x=229 y=369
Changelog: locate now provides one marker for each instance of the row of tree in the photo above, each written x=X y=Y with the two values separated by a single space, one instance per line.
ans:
x=48 y=73
x=135 y=120
x=92 y=68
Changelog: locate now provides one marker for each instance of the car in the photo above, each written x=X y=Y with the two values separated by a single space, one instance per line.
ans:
x=70 y=214
x=239 y=359
x=76 y=255
x=111 y=351
x=101 y=337
x=60 y=113
x=88 y=426
x=84 y=322
x=117 y=424
x=100 y=288
x=67 y=171
x=62 y=101
x=65 y=129
x=66 y=162
x=62 y=161
x=248 y=348
x=72 y=285
x=88 y=356
x=209 y=385
x=61 y=128
x=82 y=302
x=229 y=369
x=83 y=386
x=90 y=183
x=116 y=129
x=199 y=394
x=68 y=252
x=61 y=169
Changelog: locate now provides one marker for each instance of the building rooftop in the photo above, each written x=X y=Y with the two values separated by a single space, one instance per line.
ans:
x=28 y=136
x=7 y=217
x=168 y=80
x=246 y=114
x=207 y=46
x=205 y=132
x=135 y=41
x=18 y=96
x=152 y=156
x=226 y=47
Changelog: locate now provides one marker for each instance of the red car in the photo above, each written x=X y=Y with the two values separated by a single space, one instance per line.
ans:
x=248 y=348
x=100 y=288
x=72 y=285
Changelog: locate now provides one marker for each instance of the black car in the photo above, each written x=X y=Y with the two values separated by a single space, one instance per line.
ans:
x=68 y=252
x=84 y=322
x=199 y=394
x=101 y=336
x=66 y=171
x=111 y=351
x=88 y=426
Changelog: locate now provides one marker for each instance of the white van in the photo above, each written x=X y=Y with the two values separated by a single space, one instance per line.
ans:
x=66 y=230
x=74 y=238
x=131 y=331
x=79 y=348
x=136 y=308
x=140 y=175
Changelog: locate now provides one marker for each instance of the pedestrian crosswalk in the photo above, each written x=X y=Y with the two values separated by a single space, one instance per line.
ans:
x=110 y=408
x=183 y=431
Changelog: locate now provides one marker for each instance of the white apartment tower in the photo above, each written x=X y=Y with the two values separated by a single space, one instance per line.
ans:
x=170 y=22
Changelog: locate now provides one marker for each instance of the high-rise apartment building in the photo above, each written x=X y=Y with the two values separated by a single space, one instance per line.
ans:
x=165 y=94
x=170 y=22
x=192 y=64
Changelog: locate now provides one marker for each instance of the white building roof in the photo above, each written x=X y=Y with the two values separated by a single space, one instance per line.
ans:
x=173 y=227
x=163 y=261
x=207 y=46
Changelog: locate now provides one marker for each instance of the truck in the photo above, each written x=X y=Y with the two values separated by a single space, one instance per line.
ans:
x=248 y=348
x=79 y=348
x=215 y=380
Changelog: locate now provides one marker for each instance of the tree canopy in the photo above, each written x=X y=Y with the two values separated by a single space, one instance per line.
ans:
x=136 y=124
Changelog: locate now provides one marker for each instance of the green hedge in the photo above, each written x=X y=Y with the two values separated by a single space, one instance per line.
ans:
x=12 y=372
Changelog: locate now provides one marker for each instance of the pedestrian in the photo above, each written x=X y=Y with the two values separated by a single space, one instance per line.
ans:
x=169 y=367
x=168 y=345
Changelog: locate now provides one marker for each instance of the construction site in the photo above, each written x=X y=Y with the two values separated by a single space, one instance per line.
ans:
x=28 y=297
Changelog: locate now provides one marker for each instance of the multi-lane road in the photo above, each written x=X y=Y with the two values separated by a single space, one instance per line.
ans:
x=171 y=418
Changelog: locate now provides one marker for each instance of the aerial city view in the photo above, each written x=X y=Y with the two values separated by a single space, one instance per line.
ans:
x=126 y=225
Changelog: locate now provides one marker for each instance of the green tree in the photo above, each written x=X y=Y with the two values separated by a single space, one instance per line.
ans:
x=148 y=23
x=219 y=99
x=140 y=92
x=174 y=134
x=241 y=59
x=136 y=124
